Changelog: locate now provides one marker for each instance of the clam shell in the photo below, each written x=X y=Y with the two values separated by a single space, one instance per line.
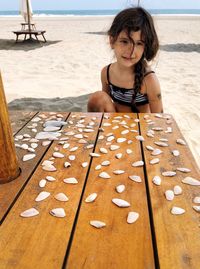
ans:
x=196 y=200
x=154 y=161
x=103 y=150
x=105 y=163
x=97 y=224
x=140 y=138
x=132 y=217
x=177 y=190
x=168 y=173
x=85 y=164
x=175 y=152
x=72 y=157
x=58 y=155
x=138 y=163
x=67 y=164
x=136 y=178
x=118 y=172
x=70 y=180
x=120 y=202
x=161 y=144
x=183 y=169
x=92 y=154
x=42 y=196
x=196 y=208
x=150 y=148
x=177 y=210
x=61 y=197
x=50 y=178
x=73 y=149
x=156 y=152
x=66 y=145
x=49 y=168
x=121 y=139
x=58 y=212
x=24 y=146
x=191 y=181
x=120 y=188
x=180 y=141
x=157 y=180
x=45 y=143
x=118 y=155
x=129 y=151
x=31 y=212
x=125 y=132
x=28 y=157
x=110 y=138
x=42 y=183
x=114 y=147
x=91 y=197
x=169 y=194
x=51 y=129
x=98 y=167
x=104 y=175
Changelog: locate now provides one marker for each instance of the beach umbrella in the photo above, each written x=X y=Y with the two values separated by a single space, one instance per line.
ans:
x=26 y=11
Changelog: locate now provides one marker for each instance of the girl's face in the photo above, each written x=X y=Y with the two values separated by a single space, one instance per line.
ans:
x=128 y=50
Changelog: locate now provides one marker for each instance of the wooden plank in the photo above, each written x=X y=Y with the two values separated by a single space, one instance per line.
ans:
x=177 y=236
x=10 y=191
x=119 y=244
x=43 y=239
x=19 y=118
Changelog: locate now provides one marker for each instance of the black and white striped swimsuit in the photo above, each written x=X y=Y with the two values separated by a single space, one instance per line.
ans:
x=125 y=96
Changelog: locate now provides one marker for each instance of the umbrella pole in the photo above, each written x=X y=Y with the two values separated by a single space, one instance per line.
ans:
x=28 y=16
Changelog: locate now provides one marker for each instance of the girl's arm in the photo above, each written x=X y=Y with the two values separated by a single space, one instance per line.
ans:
x=154 y=93
x=104 y=82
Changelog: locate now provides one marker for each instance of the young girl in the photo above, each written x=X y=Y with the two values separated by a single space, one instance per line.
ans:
x=128 y=84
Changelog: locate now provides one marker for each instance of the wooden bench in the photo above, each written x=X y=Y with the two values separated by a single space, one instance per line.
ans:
x=28 y=33
x=25 y=26
x=157 y=239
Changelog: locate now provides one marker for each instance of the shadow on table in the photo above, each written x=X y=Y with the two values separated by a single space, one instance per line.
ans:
x=10 y=44
x=68 y=104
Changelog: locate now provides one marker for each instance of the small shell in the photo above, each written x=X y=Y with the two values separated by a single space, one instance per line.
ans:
x=104 y=175
x=196 y=200
x=85 y=164
x=177 y=190
x=121 y=139
x=34 y=145
x=45 y=143
x=110 y=138
x=70 y=180
x=138 y=163
x=91 y=197
x=118 y=155
x=161 y=144
x=58 y=212
x=150 y=148
x=42 y=196
x=50 y=178
x=47 y=162
x=169 y=173
x=49 y=168
x=154 y=161
x=98 y=167
x=103 y=150
x=169 y=194
x=120 y=202
x=120 y=188
x=180 y=141
x=28 y=157
x=106 y=124
x=114 y=147
x=175 y=152
x=136 y=178
x=125 y=132
x=183 y=169
x=156 y=152
x=177 y=210
x=24 y=146
x=67 y=164
x=61 y=197
x=118 y=172
x=191 y=181
x=129 y=151
x=156 y=180
x=196 y=208
x=31 y=212
x=42 y=183
x=132 y=217
x=92 y=154
x=97 y=224
x=105 y=163
x=140 y=138
x=73 y=149
x=58 y=155
x=66 y=145
x=157 y=128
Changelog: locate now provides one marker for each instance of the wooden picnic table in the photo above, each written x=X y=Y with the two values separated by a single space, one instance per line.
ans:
x=157 y=239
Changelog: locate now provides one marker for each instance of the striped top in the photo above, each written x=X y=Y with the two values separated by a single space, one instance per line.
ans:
x=125 y=96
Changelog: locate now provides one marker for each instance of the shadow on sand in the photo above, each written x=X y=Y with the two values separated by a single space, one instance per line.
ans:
x=181 y=47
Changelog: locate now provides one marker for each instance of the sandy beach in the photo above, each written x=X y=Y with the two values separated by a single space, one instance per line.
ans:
x=60 y=74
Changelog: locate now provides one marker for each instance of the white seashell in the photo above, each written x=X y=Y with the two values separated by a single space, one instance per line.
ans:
x=78 y=136
x=26 y=136
x=169 y=194
x=58 y=212
x=156 y=180
x=34 y=145
x=177 y=210
x=56 y=149
x=118 y=172
x=154 y=161
x=150 y=148
x=180 y=141
x=191 y=181
x=50 y=178
x=105 y=163
x=82 y=141
x=158 y=115
x=156 y=152
x=45 y=143
x=132 y=217
x=177 y=190
x=157 y=128
x=31 y=150
x=114 y=147
x=31 y=212
x=58 y=155
x=183 y=169
x=118 y=155
x=28 y=157
x=104 y=175
x=196 y=208
x=92 y=154
x=85 y=164
x=129 y=151
x=66 y=145
x=42 y=183
x=51 y=129
x=24 y=146
x=121 y=139
x=138 y=163
x=101 y=137
x=106 y=124
x=175 y=152
x=49 y=168
x=161 y=144
x=73 y=149
x=164 y=139
x=136 y=178
x=70 y=180
x=97 y=224
x=168 y=173
x=103 y=150
x=19 y=137
x=61 y=197
x=130 y=142
x=91 y=197
x=137 y=120
x=72 y=157
x=54 y=123
x=196 y=200
x=125 y=132
x=120 y=202
x=110 y=138
x=140 y=138
x=127 y=116
x=70 y=133
x=169 y=130
x=88 y=130
x=42 y=196
x=120 y=188
x=47 y=162
x=115 y=127
x=98 y=167
x=67 y=164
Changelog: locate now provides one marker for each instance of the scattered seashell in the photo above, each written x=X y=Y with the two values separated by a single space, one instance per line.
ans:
x=49 y=168
x=92 y=154
x=169 y=130
x=136 y=178
x=97 y=224
x=129 y=151
x=156 y=152
x=175 y=152
x=138 y=163
x=61 y=197
x=183 y=169
x=54 y=123
x=42 y=196
x=85 y=164
x=106 y=124
x=191 y=181
x=196 y=200
x=129 y=142
x=164 y=139
x=70 y=180
x=50 y=178
x=140 y=138
x=177 y=190
x=120 y=188
x=78 y=136
x=28 y=157
x=42 y=183
x=91 y=197
x=24 y=146
x=121 y=139
x=51 y=129
x=31 y=150
x=45 y=143
x=72 y=157
x=120 y=202
x=118 y=172
x=67 y=164
x=125 y=132
x=196 y=208
x=169 y=173
x=73 y=149
x=114 y=147
x=103 y=150
x=31 y=212
x=110 y=138
x=98 y=167
x=154 y=161
x=118 y=155
x=105 y=163
x=161 y=144
x=58 y=155
x=180 y=141
x=82 y=141
x=150 y=148
x=58 y=212
x=132 y=217
x=157 y=128
x=66 y=145
x=169 y=194
x=47 y=162
x=156 y=180
x=177 y=210
x=104 y=175
x=34 y=145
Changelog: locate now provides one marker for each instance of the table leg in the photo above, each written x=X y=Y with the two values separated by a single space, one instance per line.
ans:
x=44 y=38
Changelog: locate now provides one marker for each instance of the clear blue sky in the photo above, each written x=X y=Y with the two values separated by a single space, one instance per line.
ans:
x=100 y=4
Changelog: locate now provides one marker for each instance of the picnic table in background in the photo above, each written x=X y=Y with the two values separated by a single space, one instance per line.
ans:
x=156 y=239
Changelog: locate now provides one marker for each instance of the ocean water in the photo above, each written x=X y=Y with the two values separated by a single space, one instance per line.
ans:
x=100 y=12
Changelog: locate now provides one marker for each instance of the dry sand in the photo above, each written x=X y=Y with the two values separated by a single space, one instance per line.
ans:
x=43 y=76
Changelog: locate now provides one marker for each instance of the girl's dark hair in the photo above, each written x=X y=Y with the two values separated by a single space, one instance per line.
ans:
x=133 y=20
